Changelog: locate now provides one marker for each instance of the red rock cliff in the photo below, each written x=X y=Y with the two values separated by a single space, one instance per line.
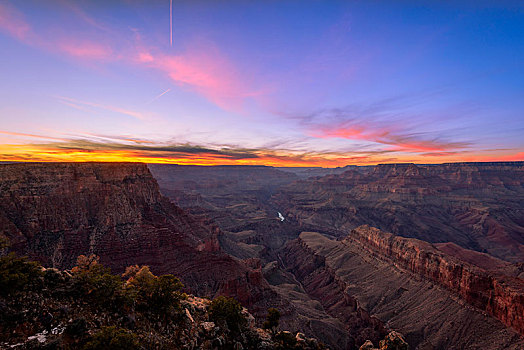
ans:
x=499 y=295
x=54 y=212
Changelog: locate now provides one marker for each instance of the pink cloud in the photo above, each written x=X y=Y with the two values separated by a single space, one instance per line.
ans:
x=202 y=68
x=78 y=104
x=393 y=136
x=12 y=21
x=19 y=134
x=85 y=49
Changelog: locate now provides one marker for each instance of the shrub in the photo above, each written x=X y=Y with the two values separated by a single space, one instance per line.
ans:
x=229 y=311
x=77 y=328
x=165 y=293
x=96 y=282
x=160 y=295
x=272 y=319
x=112 y=338
x=4 y=243
x=140 y=280
x=84 y=263
x=18 y=274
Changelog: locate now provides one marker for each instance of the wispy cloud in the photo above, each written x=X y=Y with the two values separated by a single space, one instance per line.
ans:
x=85 y=49
x=389 y=124
x=79 y=104
x=128 y=148
x=13 y=22
x=202 y=67
x=393 y=137
x=56 y=39
x=25 y=135
x=205 y=69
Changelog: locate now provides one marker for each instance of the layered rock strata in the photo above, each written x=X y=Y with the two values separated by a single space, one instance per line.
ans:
x=499 y=295
x=430 y=315
x=478 y=206
x=54 y=212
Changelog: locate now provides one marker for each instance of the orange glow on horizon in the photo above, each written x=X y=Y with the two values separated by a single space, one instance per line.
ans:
x=35 y=153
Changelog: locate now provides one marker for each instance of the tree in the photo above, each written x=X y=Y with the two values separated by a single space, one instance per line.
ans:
x=18 y=274
x=84 y=263
x=285 y=341
x=165 y=294
x=272 y=320
x=229 y=311
x=161 y=295
x=95 y=281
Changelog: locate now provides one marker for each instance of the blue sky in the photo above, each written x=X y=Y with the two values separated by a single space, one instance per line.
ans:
x=278 y=83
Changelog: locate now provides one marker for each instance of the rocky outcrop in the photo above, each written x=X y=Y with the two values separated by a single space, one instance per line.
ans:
x=322 y=283
x=54 y=212
x=500 y=296
x=393 y=341
x=55 y=312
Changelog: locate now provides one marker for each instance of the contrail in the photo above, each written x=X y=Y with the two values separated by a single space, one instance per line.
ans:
x=171 y=22
x=158 y=96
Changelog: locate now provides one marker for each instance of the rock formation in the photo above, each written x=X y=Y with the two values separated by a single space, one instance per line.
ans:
x=378 y=278
x=499 y=295
x=457 y=207
x=478 y=206
x=55 y=212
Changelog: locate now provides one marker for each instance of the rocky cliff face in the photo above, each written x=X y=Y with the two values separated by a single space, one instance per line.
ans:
x=398 y=294
x=499 y=295
x=345 y=294
x=479 y=206
x=322 y=283
x=236 y=199
x=56 y=211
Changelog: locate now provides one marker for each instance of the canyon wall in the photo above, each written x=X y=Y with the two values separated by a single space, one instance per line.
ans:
x=54 y=212
x=499 y=295
x=322 y=283
x=380 y=283
x=478 y=206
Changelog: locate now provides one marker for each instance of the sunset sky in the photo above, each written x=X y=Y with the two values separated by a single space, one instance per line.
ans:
x=287 y=83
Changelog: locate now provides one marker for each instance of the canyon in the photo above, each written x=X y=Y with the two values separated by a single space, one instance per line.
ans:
x=366 y=267
x=435 y=252
x=55 y=212
x=478 y=206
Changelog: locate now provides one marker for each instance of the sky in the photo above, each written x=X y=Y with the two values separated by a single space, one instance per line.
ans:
x=280 y=83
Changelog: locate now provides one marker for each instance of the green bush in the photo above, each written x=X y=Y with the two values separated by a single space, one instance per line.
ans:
x=229 y=311
x=160 y=295
x=112 y=338
x=96 y=282
x=165 y=294
x=52 y=279
x=272 y=319
x=18 y=274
